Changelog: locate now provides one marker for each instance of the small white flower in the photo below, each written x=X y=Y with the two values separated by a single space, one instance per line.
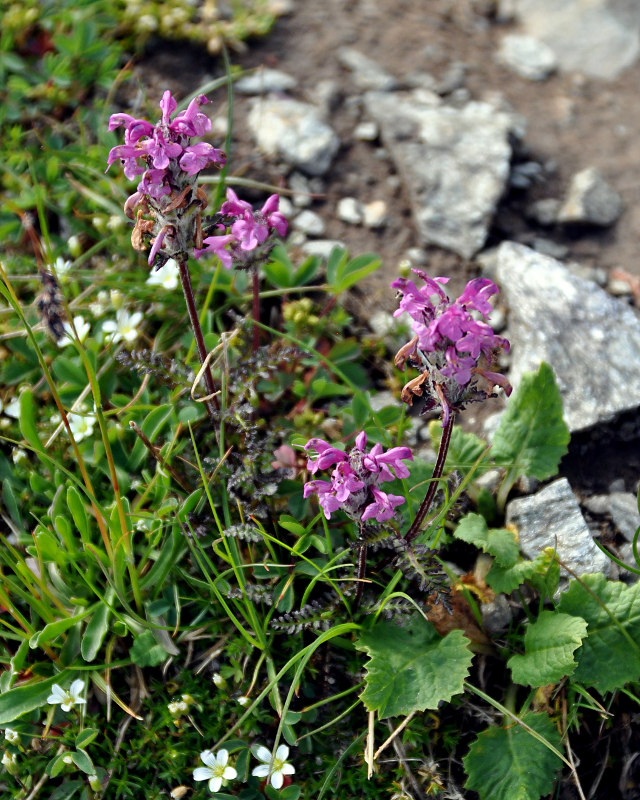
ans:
x=278 y=769
x=67 y=759
x=242 y=700
x=166 y=276
x=12 y=409
x=82 y=329
x=61 y=267
x=18 y=455
x=13 y=737
x=124 y=327
x=9 y=762
x=75 y=246
x=81 y=425
x=94 y=782
x=99 y=305
x=67 y=699
x=216 y=770
x=218 y=680
x=177 y=708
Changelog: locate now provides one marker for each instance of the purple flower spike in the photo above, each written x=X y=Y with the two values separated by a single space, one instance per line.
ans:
x=354 y=480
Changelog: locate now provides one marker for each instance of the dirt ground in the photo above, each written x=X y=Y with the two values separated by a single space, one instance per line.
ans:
x=573 y=122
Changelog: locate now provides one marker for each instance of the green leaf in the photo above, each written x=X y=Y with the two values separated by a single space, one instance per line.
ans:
x=549 y=645
x=146 y=652
x=290 y=524
x=412 y=668
x=23 y=699
x=82 y=761
x=78 y=511
x=610 y=655
x=28 y=420
x=464 y=449
x=342 y=273
x=508 y=763
x=506 y=579
x=532 y=436
x=498 y=542
x=54 y=629
x=96 y=630
x=86 y=736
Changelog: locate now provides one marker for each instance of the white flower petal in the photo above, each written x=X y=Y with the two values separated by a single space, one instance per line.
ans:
x=229 y=774
x=215 y=784
x=287 y=769
x=202 y=774
x=277 y=780
x=282 y=753
x=262 y=754
x=222 y=757
x=76 y=687
x=261 y=772
x=209 y=758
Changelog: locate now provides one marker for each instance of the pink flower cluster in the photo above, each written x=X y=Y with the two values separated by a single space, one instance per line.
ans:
x=249 y=229
x=449 y=327
x=450 y=337
x=164 y=148
x=355 y=478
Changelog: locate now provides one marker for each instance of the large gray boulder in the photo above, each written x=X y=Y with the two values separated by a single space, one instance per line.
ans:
x=591 y=340
x=454 y=162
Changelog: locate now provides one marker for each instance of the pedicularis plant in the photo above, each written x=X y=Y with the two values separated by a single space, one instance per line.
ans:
x=261 y=589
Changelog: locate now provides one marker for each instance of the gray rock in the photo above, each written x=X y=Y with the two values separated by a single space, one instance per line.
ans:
x=527 y=56
x=552 y=518
x=616 y=485
x=624 y=512
x=301 y=185
x=597 y=504
x=590 y=200
x=374 y=214
x=490 y=480
x=294 y=132
x=366 y=132
x=265 y=80
x=549 y=248
x=349 y=210
x=544 y=211
x=367 y=73
x=381 y=400
x=496 y=615
x=599 y=38
x=591 y=340
x=309 y=223
x=455 y=164
x=321 y=247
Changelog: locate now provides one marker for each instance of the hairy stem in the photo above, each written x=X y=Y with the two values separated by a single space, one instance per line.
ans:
x=187 y=288
x=438 y=469
x=256 y=308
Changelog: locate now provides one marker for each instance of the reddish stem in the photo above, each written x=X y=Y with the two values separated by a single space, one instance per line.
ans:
x=438 y=469
x=187 y=288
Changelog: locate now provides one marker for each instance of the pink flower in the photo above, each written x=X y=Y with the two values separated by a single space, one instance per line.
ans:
x=197 y=156
x=218 y=246
x=382 y=508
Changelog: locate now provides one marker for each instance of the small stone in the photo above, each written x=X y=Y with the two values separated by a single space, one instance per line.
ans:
x=417 y=256
x=597 y=504
x=367 y=73
x=321 y=247
x=301 y=185
x=453 y=78
x=490 y=425
x=527 y=56
x=265 y=80
x=544 y=211
x=552 y=518
x=286 y=207
x=490 y=480
x=617 y=485
x=624 y=512
x=383 y=324
x=549 y=248
x=374 y=215
x=327 y=95
x=496 y=615
x=349 y=210
x=618 y=287
x=294 y=132
x=523 y=175
x=590 y=200
x=366 y=132
x=380 y=400
x=497 y=319
x=309 y=223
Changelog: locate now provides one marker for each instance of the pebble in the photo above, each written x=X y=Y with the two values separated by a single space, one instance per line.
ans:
x=366 y=132
x=349 y=210
x=544 y=211
x=590 y=200
x=321 y=247
x=293 y=131
x=367 y=74
x=374 y=214
x=265 y=80
x=624 y=512
x=527 y=56
x=309 y=223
